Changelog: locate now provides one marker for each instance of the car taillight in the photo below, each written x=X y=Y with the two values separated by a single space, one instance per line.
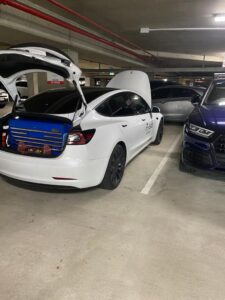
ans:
x=80 y=137
x=4 y=139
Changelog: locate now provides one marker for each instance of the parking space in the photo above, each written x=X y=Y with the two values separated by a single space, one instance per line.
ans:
x=112 y=150
x=120 y=244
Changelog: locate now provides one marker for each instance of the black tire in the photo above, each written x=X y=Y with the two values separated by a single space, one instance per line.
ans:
x=2 y=105
x=185 y=168
x=159 y=135
x=115 y=169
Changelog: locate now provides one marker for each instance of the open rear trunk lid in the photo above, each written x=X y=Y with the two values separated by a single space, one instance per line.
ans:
x=29 y=58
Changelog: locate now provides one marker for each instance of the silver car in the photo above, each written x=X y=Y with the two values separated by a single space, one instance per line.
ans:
x=175 y=101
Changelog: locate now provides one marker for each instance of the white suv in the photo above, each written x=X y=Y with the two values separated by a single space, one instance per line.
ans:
x=4 y=98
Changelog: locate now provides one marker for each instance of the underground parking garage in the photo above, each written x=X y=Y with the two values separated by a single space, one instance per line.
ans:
x=112 y=150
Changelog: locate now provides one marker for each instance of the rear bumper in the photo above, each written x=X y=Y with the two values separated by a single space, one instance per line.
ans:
x=72 y=168
x=201 y=154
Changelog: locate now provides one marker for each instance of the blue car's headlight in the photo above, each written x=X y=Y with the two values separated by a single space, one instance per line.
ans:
x=200 y=131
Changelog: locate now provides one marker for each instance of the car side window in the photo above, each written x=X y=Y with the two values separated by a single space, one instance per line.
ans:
x=138 y=104
x=116 y=106
x=120 y=105
x=181 y=93
x=104 y=109
x=160 y=93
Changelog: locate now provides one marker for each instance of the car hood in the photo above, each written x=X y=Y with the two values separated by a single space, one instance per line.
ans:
x=29 y=58
x=210 y=116
x=135 y=81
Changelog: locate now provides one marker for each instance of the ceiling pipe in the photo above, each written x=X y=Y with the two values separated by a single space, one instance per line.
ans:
x=9 y=23
x=63 y=24
x=102 y=28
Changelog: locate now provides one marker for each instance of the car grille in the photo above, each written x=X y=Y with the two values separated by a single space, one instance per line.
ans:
x=201 y=159
x=220 y=145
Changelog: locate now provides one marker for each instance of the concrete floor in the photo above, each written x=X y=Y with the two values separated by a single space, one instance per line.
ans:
x=101 y=245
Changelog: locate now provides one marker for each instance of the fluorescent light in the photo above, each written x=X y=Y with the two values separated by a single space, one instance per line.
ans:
x=165 y=79
x=144 y=30
x=219 y=18
x=147 y=30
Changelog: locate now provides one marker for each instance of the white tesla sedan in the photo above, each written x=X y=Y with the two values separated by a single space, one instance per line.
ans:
x=73 y=137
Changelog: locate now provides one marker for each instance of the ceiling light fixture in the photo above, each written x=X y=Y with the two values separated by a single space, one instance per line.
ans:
x=145 y=30
x=219 y=18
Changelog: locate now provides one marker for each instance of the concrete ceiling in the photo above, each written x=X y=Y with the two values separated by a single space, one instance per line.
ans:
x=128 y=16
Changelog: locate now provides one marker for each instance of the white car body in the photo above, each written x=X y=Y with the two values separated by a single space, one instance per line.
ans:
x=85 y=165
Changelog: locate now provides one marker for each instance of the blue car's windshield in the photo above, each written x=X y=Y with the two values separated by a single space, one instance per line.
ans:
x=217 y=94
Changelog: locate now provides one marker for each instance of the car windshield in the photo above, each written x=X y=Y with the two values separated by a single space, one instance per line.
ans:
x=62 y=101
x=216 y=95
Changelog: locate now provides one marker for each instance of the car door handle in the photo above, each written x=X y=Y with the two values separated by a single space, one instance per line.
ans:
x=124 y=125
x=143 y=120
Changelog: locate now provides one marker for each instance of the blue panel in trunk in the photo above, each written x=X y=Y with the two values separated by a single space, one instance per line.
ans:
x=35 y=134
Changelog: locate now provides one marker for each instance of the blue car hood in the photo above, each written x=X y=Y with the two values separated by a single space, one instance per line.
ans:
x=210 y=116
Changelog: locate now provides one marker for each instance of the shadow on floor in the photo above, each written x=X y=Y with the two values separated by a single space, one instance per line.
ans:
x=45 y=188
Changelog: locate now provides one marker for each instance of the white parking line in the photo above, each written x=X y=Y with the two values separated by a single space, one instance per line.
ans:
x=161 y=165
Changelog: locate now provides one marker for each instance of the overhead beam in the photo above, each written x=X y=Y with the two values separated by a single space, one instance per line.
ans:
x=210 y=70
x=184 y=56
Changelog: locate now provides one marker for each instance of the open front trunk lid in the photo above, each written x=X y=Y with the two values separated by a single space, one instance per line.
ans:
x=136 y=81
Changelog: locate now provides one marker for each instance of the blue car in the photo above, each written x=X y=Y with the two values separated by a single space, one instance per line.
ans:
x=204 y=132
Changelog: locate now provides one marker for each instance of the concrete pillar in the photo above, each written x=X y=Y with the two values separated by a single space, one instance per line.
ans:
x=37 y=82
x=44 y=85
x=92 y=81
x=33 y=86
x=73 y=55
x=42 y=82
x=87 y=81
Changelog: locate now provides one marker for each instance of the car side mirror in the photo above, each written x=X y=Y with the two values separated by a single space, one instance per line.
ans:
x=155 y=109
x=196 y=100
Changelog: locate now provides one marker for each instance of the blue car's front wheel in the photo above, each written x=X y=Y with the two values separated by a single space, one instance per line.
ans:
x=183 y=167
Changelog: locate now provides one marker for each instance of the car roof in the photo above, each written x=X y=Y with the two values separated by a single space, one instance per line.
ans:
x=156 y=83
x=177 y=87
x=84 y=89
x=219 y=80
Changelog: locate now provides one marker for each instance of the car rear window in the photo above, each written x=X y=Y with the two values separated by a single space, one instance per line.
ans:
x=61 y=101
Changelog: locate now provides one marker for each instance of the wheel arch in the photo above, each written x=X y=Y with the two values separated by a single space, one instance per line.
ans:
x=124 y=147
